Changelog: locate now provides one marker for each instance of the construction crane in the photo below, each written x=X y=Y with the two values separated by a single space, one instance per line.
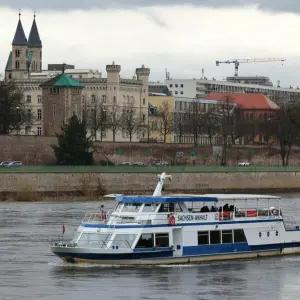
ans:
x=237 y=62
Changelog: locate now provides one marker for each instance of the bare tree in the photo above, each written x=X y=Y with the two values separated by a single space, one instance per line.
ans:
x=96 y=119
x=180 y=124
x=163 y=123
x=225 y=113
x=210 y=125
x=195 y=119
x=285 y=127
x=115 y=117
x=130 y=120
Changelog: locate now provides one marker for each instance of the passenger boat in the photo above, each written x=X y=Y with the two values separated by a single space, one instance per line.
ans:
x=180 y=229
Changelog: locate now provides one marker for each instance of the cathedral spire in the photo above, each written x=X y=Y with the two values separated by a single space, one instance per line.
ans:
x=34 y=37
x=19 y=38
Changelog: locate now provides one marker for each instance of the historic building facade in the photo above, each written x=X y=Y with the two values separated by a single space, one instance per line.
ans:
x=24 y=67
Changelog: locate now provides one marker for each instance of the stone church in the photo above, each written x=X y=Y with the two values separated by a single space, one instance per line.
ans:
x=54 y=95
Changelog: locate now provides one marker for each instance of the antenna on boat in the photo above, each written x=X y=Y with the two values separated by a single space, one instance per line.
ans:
x=162 y=177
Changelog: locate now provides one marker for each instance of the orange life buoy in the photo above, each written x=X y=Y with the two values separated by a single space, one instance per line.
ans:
x=172 y=220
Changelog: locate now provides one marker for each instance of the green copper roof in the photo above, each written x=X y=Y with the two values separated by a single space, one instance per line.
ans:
x=63 y=80
x=9 y=62
x=66 y=81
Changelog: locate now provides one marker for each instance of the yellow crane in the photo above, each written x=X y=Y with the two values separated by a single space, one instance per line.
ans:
x=237 y=62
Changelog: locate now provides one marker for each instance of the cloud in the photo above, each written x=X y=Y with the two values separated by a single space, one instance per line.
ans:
x=272 y=5
x=192 y=39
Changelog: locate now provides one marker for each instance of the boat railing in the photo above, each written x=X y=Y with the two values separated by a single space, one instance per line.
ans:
x=290 y=223
x=96 y=217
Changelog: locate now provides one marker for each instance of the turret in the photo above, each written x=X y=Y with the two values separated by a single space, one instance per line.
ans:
x=113 y=82
x=19 y=52
x=34 y=49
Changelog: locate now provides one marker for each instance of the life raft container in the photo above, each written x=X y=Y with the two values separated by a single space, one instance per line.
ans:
x=172 y=220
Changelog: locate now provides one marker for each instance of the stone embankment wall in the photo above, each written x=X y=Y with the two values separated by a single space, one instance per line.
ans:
x=37 y=150
x=139 y=183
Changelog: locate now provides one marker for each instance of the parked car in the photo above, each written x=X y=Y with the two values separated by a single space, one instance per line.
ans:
x=244 y=164
x=162 y=163
x=4 y=163
x=146 y=140
x=15 y=164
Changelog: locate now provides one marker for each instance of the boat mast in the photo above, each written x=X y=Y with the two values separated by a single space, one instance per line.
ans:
x=162 y=177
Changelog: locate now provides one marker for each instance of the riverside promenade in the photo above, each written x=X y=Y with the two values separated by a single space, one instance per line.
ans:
x=92 y=181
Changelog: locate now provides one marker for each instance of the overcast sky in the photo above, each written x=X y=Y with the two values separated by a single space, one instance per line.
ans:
x=163 y=34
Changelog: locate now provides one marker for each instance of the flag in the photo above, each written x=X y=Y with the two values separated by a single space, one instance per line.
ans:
x=63 y=228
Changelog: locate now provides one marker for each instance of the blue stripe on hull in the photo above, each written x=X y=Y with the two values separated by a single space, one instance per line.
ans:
x=215 y=249
x=188 y=251
x=116 y=256
x=233 y=248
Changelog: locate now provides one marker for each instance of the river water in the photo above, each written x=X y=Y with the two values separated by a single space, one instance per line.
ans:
x=28 y=270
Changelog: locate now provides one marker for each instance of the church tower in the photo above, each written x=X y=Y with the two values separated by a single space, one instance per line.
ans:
x=16 y=67
x=34 y=49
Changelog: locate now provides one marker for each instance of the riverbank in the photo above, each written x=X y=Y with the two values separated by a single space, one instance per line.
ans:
x=89 y=186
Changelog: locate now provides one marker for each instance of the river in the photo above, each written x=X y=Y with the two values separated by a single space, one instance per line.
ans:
x=28 y=270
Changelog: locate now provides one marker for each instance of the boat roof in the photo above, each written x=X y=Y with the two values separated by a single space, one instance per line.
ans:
x=165 y=199
x=221 y=197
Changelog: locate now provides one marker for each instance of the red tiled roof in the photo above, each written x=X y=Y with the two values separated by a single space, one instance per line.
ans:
x=246 y=101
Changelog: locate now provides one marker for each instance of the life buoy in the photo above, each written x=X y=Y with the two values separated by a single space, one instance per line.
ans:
x=275 y=212
x=172 y=220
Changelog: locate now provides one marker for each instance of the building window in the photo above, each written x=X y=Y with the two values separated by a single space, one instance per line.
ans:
x=176 y=85
x=181 y=85
x=114 y=99
x=104 y=134
x=28 y=99
x=83 y=99
x=103 y=98
x=27 y=130
x=176 y=92
x=144 y=117
x=144 y=90
x=17 y=53
x=144 y=101
x=181 y=92
x=93 y=98
x=39 y=131
x=171 y=85
x=203 y=238
x=39 y=97
x=39 y=114
x=115 y=88
x=54 y=109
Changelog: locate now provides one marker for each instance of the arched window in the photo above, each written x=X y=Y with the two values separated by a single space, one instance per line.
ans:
x=17 y=53
x=17 y=65
x=114 y=99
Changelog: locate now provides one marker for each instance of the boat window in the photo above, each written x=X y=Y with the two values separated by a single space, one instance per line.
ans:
x=276 y=233
x=215 y=237
x=76 y=236
x=150 y=207
x=124 y=240
x=169 y=207
x=98 y=240
x=227 y=237
x=146 y=241
x=119 y=207
x=162 y=239
x=239 y=236
x=131 y=207
x=203 y=238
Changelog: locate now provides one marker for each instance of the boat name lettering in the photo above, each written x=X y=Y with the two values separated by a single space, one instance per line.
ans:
x=191 y=217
